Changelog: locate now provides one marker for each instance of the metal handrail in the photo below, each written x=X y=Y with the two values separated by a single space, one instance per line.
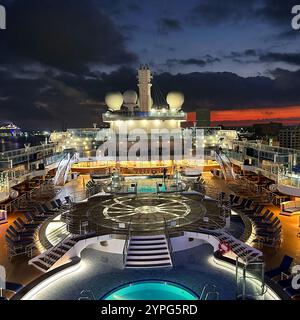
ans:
x=37 y=242
x=49 y=253
x=225 y=166
x=221 y=229
x=205 y=294
x=168 y=236
x=88 y=293
x=126 y=244
x=58 y=173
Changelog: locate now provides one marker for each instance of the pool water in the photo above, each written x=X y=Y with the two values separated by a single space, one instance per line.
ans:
x=151 y=290
x=151 y=189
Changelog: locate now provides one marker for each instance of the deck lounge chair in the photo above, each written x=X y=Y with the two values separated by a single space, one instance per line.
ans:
x=286 y=283
x=32 y=218
x=251 y=211
x=248 y=204
x=268 y=221
x=59 y=202
x=269 y=226
x=269 y=234
x=257 y=210
x=284 y=267
x=262 y=217
x=267 y=242
x=16 y=236
x=21 y=232
x=21 y=225
x=54 y=205
x=231 y=198
x=68 y=200
x=43 y=208
x=18 y=243
x=13 y=287
x=241 y=205
x=293 y=293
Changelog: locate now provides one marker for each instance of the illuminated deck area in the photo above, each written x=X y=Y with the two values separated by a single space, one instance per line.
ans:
x=146 y=213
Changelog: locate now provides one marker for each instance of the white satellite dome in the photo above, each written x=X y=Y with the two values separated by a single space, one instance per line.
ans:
x=175 y=100
x=130 y=97
x=114 y=100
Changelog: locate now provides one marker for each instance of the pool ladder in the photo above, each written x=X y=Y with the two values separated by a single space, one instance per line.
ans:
x=209 y=292
x=87 y=295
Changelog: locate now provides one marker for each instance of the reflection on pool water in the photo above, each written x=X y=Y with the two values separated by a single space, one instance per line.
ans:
x=151 y=290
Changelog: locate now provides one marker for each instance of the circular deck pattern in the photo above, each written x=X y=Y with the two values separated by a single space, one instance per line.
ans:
x=146 y=212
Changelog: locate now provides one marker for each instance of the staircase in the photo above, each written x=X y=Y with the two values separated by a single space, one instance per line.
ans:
x=63 y=169
x=46 y=260
x=148 y=252
x=225 y=165
x=242 y=250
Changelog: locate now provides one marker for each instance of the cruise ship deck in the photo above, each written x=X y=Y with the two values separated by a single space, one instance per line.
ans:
x=86 y=218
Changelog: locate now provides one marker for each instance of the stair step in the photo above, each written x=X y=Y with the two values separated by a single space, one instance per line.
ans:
x=159 y=265
x=147 y=244
x=149 y=262
x=147 y=241
x=60 y=252
x=147 y=237
x=147 y=259
x=71 y=242
x=143 y=254
x=148 y=252
x=50 y=259
x=146 y=249
x=40 y=265
x=55 y=254
x=65 y=247
x=45 y=263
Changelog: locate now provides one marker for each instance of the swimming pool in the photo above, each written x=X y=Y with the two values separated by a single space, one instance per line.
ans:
x=151 y=290
x=148 y=189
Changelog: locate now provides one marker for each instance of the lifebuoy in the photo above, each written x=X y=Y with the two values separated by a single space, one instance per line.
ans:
x=224 y=247
x=153 y=171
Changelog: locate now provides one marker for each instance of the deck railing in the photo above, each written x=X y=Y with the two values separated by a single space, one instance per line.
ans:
x=126 y=245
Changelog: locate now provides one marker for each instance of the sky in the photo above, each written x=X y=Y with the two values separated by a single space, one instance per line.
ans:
x=237 y=58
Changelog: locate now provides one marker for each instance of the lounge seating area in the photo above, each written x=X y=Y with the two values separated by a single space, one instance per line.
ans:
x=266 y=225
x=20 y=236
x=290 y=208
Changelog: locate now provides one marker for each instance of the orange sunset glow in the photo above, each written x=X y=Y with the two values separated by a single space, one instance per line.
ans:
x=243 y=117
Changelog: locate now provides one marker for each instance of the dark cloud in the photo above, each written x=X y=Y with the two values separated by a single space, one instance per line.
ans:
x=134 y=6
x=167 y=25
x=290 y=58
x=50 y=45
x=65 y=34
x=278 y=12
x=118 y=7
x=202 y=62
x=243 y=54
x=129 y=30
x=260 y=56
x=221 y=90
x=275 y=12
x=79 y=100
x=214 y=12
